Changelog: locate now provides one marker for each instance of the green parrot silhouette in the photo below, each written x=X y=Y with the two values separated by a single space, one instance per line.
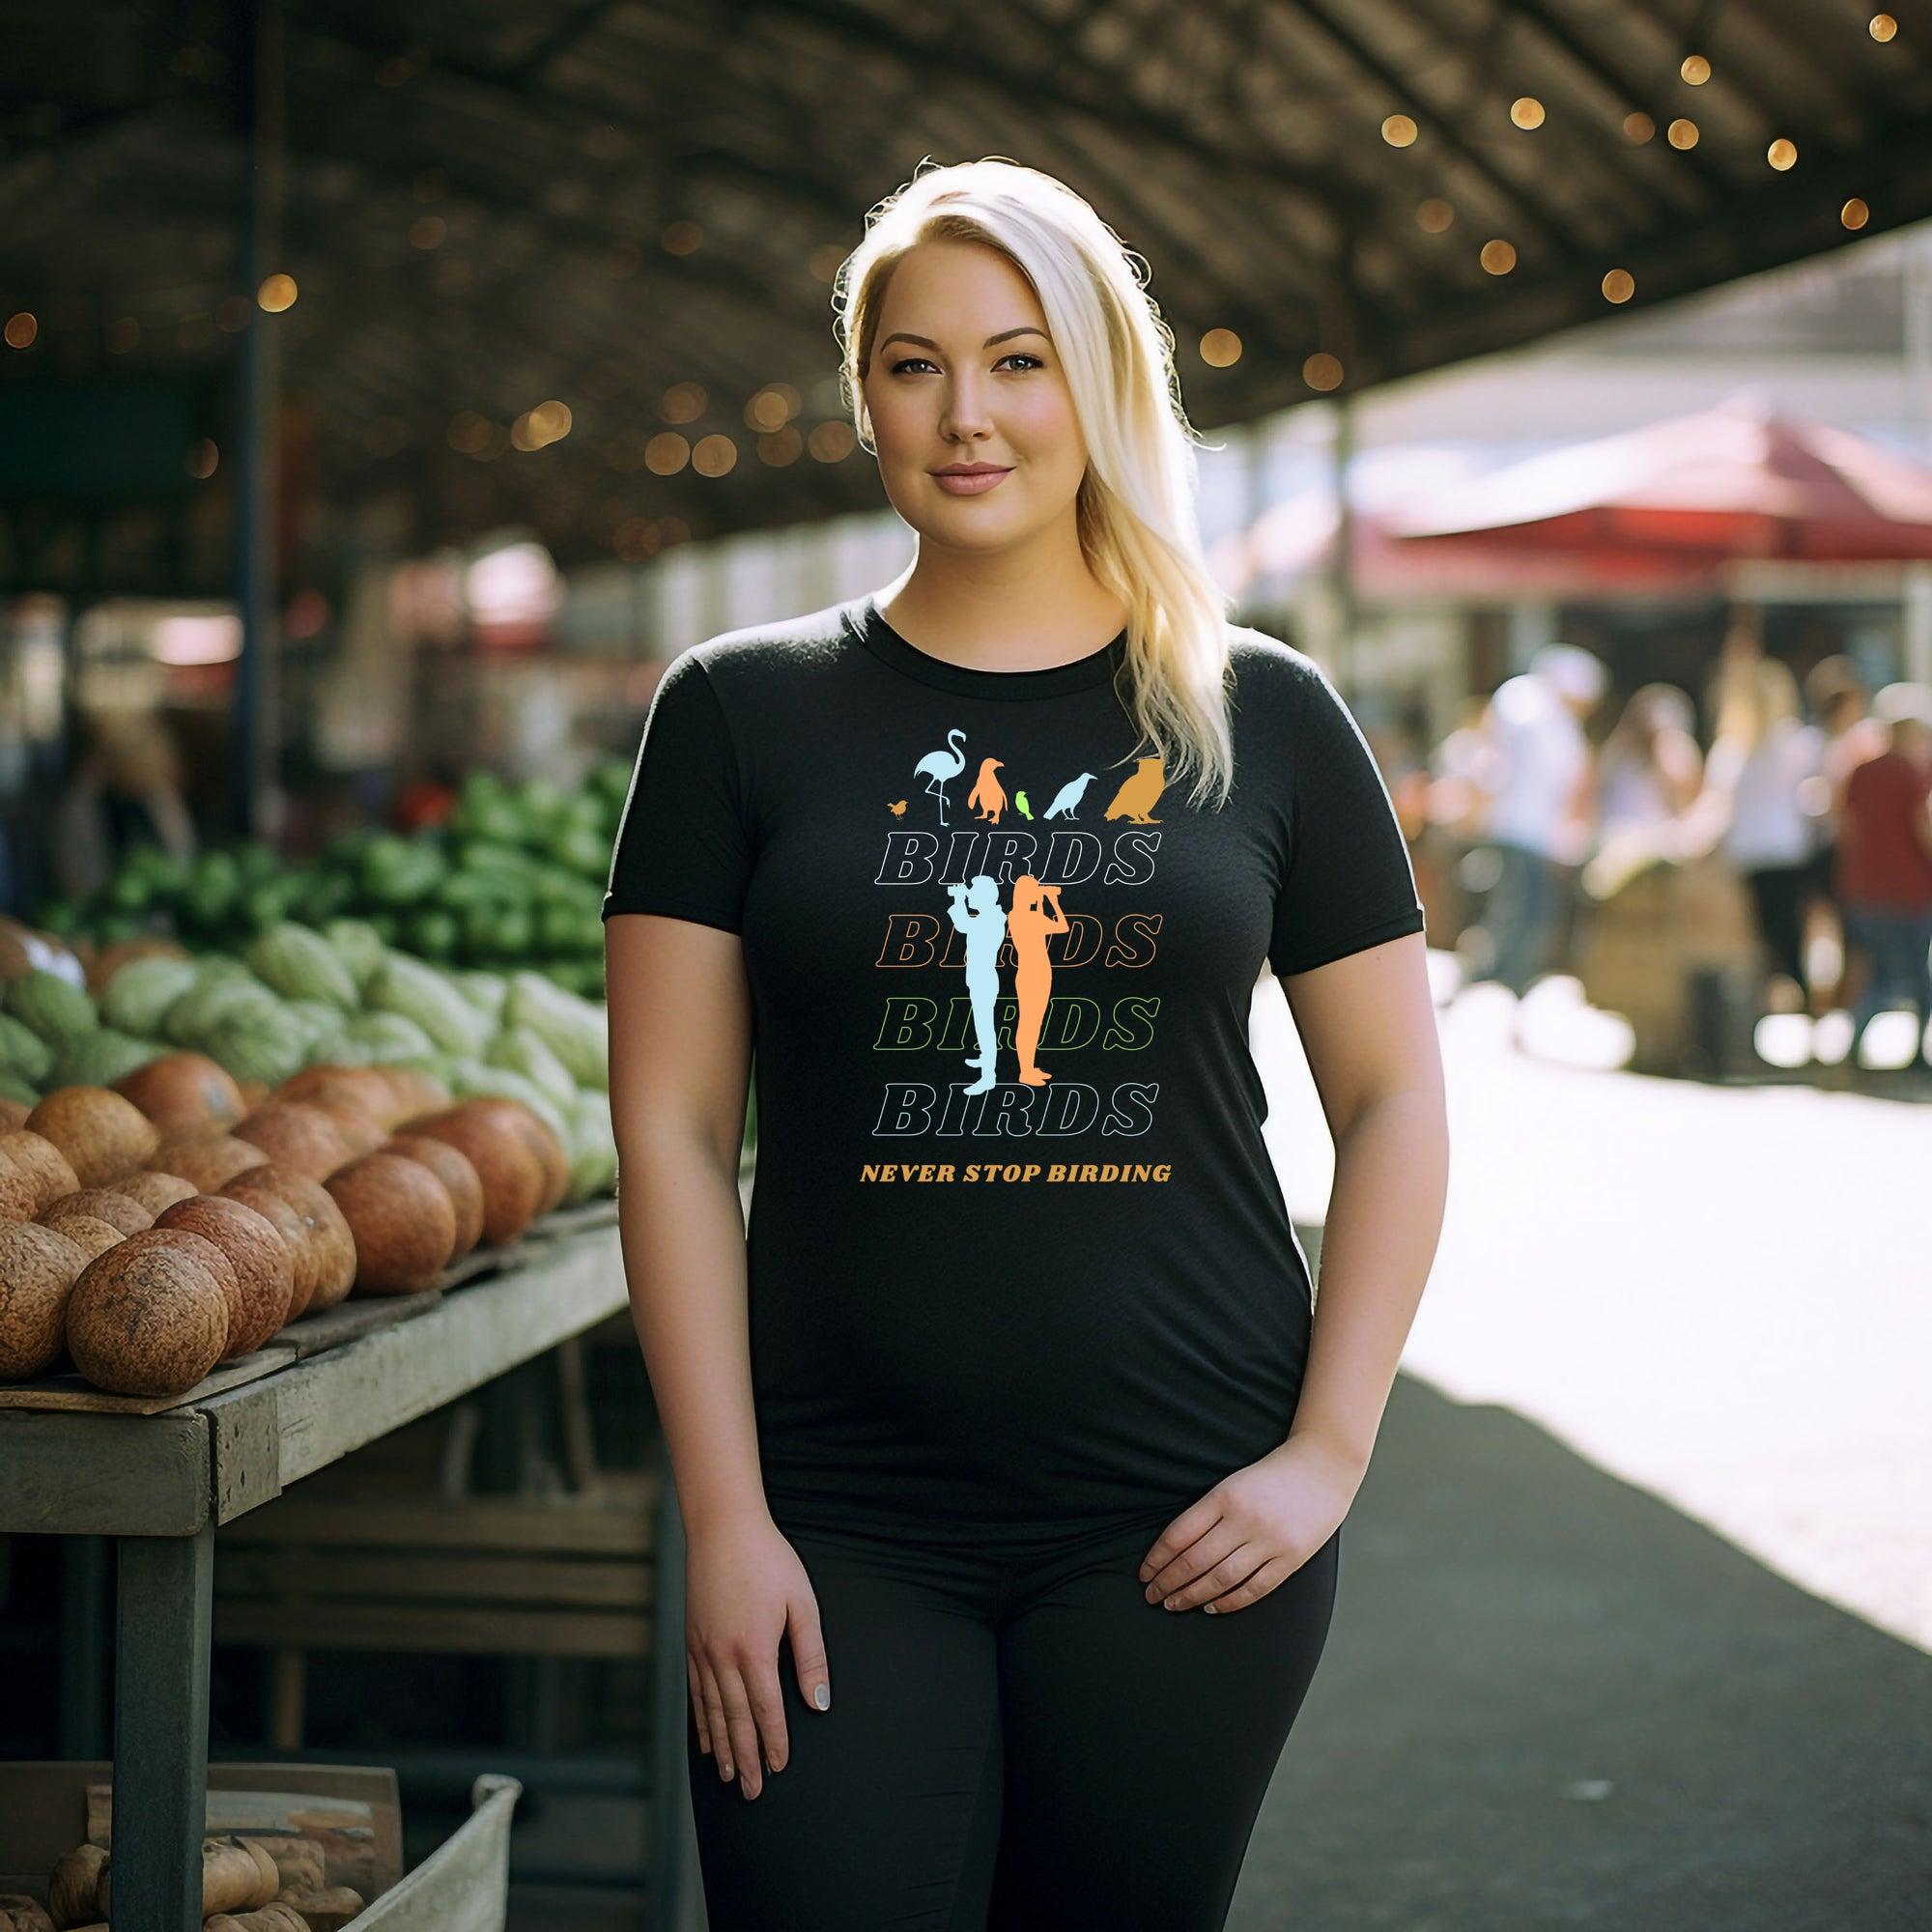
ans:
x=1021 y=805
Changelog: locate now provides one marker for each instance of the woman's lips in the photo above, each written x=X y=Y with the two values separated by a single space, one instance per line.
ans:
x=971 y=486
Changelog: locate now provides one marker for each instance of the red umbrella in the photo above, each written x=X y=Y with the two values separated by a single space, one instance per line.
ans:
x=1734 y=481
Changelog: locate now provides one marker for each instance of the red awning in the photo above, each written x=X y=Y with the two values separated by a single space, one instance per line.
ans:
x=1730 y=482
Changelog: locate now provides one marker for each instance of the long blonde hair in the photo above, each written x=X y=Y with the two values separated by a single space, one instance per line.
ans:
x=1136 y=510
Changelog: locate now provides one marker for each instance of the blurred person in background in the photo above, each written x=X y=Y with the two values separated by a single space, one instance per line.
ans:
x=1650 y=775
x=1836 y=694
x=1884 y=862
x=126 y=791
x=1765 y=774
x=1533 y=765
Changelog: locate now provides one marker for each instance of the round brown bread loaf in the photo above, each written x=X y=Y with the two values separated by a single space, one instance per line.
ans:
x=458 y=1173
x=105 y=1203
x=265 y=1271
x=38 y=1170
x=512 y=1176
x=297 y=1135
x=207 y=1159
x=297 y=1233
x=150 y=1317
x=39 y=1268
x=103 y=1133
x=403 y=1220
x=184 y=1093
x=335 y=1244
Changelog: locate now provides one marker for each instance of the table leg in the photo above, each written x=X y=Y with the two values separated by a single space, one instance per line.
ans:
x=160 y=1729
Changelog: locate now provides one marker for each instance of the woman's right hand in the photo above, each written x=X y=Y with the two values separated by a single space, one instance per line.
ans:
x=744 y=1586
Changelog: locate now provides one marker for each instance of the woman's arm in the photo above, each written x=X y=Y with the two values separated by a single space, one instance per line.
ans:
x=680 y=1069
x=1368 y=1026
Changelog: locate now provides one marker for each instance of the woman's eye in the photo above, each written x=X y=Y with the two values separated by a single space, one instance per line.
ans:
x=920 y=362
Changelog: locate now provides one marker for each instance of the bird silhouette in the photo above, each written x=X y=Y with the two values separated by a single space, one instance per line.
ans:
x=1069 y=796
x=898 y=808
x=1021 y=805
x=989 y=796
x=936 y=767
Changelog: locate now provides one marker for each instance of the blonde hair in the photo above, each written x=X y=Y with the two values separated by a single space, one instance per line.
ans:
x=1136 y=511
x=1754 y=699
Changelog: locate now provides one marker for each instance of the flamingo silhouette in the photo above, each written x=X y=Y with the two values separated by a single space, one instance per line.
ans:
x=936 y=767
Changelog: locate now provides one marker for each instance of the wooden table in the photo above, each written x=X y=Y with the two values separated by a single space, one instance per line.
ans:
x=161 y=1485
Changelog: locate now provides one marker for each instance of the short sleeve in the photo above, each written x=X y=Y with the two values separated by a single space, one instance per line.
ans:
x=682 y=848
x=1348 y=883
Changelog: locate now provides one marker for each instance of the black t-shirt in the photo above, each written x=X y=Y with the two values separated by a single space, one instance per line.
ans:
x=978 y=1299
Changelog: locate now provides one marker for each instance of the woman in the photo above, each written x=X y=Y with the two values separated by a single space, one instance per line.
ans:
x=1650 y=775
x=1009 y=1412
x=1764 y=768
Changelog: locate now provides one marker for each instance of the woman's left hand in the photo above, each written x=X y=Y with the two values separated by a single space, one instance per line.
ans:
x=1252 y=1528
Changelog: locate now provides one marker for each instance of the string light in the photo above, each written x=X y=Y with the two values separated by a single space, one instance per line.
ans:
x=666 y=453
x=714 y=454
x=1682 y=133
x=1220 y=349
x=1855 y=213
x=1619 y=285
x=1497 y=257
x=278 y=294
x=1696 y=70
x=1323 y=372
x=1782 y=154
x=832 y=442
x=1639 y=128
x=1526 y=112
x=1882 y=27
x=684 y=402
x=1399 y=132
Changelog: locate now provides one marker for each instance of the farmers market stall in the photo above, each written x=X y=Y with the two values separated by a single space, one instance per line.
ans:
x=161 y=1483
x=269 y=1190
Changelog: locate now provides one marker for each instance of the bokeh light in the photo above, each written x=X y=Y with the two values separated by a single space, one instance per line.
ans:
x=278 y=294
x=1499 y=257
x=1782 y=154
x=1220 y=349
x=1398 y=131
x=21 y=330
x=1435 y=215
x=1619 y=285
x=1322 y=371
x=1526 y=111
x=1682 y=133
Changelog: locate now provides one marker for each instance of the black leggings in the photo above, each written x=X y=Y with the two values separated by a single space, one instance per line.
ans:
x=1015 y=1743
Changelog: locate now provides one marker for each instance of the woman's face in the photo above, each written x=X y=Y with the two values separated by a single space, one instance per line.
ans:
x=962 y=373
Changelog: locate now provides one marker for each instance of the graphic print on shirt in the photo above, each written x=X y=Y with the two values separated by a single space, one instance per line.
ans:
x=1027 y=958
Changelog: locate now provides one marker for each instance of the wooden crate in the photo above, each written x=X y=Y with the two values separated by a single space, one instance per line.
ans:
x=569 y=1576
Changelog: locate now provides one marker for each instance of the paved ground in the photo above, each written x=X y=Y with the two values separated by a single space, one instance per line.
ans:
x=1628 y=1623
x=1723 y=1294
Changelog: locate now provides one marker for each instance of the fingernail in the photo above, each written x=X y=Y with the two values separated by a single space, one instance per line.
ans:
x=1146 y=1571
x=725 y=1770
x=822 y=1696
x=1172 y=1601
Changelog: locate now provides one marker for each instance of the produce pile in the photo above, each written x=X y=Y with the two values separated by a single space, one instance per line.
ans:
x=515 y=879
x=252 y=1883
x=179 y=1218
x=299 y=997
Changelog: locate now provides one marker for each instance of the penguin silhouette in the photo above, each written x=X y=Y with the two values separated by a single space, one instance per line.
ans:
x=988 y=797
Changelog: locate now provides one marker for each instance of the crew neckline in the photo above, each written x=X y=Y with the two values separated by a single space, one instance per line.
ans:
x=869 y=625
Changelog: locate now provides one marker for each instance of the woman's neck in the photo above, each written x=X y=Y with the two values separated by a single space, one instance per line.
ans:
x=997 y=615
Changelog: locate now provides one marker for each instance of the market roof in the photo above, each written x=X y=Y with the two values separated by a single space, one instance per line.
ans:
x=633 y=207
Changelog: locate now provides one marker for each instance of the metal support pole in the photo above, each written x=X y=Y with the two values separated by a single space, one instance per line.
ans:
x=1341 y=565
x=253 y=733
x=164 y=1589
